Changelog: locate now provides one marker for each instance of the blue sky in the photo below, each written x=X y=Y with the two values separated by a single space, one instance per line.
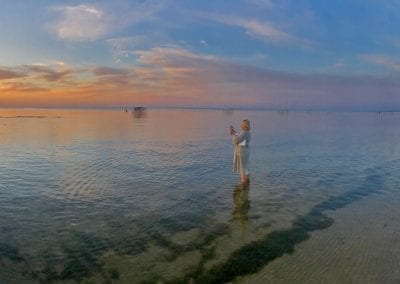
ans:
x=294 y=54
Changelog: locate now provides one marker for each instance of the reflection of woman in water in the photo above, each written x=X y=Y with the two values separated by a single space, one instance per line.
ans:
x=241 y=143
x=242 y=203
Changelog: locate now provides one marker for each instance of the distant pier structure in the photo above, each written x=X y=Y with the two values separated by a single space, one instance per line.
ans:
x=140 y=108
x=138 y=112
x=283 y=112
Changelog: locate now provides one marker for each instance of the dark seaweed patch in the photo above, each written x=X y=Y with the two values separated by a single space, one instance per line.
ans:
x=177 y=250
x=49 y=274
x=79 y=268
x=10 y=252
x=114 y=274
x=252 y=257
x=81 y=260
x=193 y=272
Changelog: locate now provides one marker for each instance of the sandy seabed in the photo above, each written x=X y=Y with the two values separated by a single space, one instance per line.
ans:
x=362 y=246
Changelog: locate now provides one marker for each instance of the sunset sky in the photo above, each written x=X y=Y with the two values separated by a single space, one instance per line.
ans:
x=295 y=54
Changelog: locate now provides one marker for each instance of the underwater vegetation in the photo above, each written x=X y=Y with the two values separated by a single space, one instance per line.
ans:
x=83 y=253
x=10 y=252
x=253 y=256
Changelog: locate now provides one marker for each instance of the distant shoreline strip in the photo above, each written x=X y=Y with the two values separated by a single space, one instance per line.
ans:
x=24 y=116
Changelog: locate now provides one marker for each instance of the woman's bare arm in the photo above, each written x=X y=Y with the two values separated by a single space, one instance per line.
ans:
x=236 y=139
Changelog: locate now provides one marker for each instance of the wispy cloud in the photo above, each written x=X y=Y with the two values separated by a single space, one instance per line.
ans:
x=262 y=3
x=177 y=76
x=339 y=64
x=36 y=79
x=389 y=62
x=109 y=71
x=170 y=56
x=203 y=43
x=262 y=30
x=21 y=87
x=391 y=5
x=89 y=22
x=47 y=73
x=9 y=74
x=124 y=47
x=117 y=79
x=395 y=41
x=82 y=22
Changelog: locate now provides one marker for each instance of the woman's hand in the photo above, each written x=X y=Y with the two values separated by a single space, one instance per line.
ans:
x=232 y=130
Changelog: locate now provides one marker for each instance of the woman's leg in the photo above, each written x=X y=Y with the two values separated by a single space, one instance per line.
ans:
x=244 y=177
x=246 y=173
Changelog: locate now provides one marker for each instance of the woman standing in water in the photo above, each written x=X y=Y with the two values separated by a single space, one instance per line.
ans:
x=241 y=143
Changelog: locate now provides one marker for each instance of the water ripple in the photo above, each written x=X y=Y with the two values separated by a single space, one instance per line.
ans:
x=108 y=196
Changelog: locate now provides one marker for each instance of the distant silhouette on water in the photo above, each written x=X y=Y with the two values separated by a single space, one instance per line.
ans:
x=139 y=112
x=241 y=144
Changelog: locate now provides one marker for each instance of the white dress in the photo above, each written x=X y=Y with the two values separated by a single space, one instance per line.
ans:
x=241 y=152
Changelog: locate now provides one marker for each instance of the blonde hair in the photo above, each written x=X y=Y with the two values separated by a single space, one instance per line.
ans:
x=246 y=124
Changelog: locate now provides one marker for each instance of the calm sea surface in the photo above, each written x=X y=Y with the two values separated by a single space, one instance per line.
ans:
x=105 y=196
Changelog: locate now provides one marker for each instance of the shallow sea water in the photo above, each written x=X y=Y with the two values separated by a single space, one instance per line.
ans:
x=107 y=196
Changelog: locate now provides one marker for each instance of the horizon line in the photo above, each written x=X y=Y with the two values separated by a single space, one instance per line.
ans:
x=223 y=108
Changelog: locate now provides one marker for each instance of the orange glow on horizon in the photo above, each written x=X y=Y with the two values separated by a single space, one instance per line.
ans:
x=164 y=76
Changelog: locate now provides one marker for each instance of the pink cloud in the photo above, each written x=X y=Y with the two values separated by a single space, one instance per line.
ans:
x=10 y=74
x=48 y=73
x=109 y=71
x=176 y=76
